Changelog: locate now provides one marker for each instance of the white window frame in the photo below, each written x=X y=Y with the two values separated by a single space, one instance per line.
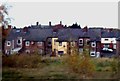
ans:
x=20 y=39
x=27 y=51
x=92 y=54
x=39 y=43
x=9 y=43
x=93 y=43
x=81 y=43
x=32 y=42
x=106 y=39
x=27 y=43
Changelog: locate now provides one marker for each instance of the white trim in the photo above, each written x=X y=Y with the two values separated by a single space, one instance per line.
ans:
x=27 y=43
x=39 y=43
x=19 y=39
x=81 y=43
x=92 y=53
x=93 y=44
x=8 y=43
x=27 y=51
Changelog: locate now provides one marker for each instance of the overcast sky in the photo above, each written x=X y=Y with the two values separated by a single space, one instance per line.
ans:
x=102 y=14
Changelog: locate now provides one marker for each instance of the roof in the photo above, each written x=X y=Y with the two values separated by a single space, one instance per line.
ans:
x=31 y=34
x=64 y=34
x=105 y=33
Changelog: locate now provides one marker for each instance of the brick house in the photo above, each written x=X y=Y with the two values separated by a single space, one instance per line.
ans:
x=55 y=40
x=118 y=47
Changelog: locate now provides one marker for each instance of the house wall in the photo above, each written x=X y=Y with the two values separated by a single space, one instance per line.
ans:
x=48 y=47
x=108 y=40
x=54 y=44
x=118 y=48
x=86 y=44
x=63 y=47
x=8 y=48
x=34 y=47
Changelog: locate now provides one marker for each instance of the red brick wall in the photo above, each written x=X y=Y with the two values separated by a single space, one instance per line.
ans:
x=34 y=47
x=118 y=48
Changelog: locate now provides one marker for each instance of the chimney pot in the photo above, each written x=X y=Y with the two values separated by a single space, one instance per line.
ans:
x=49 y=23
x=61 y=22
x=37 y=23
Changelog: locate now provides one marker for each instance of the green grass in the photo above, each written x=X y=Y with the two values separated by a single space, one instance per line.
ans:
x=51 y=68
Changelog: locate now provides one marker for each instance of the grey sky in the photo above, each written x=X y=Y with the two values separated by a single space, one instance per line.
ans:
x=85 y=13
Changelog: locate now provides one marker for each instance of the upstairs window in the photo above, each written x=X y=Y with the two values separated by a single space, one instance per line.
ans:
x=81 y=42
x=19 y=41
x=106 y=39
x=60 y=43
x=8 y=43
x=27 y=43
x=87 y=41
x=93 y=44
x=39 y=43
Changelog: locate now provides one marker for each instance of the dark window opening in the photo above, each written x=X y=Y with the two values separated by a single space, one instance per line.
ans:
x=60 y=43
x=60 y=52
x=106 y=39
x=19 y=41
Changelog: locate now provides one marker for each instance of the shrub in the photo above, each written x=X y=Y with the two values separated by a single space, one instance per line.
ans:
x=80 y=64
x=21 y=61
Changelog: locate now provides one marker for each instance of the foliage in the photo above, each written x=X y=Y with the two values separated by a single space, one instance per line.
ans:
x=4 y=19
x=81 y=64
x=21 y=61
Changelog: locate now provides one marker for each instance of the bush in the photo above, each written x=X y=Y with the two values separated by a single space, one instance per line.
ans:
x=21 y=61
x=81 y=64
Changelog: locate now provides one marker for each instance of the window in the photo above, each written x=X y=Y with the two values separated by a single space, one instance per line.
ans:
x=87 y=41
x=27 y=51
x=72 y=43
x=60 y=43
x=32 y=42
x=93 y=44
x=80 y=50
x=19 y=41
x=39 y=43
x=49 y=43
x=60 y=52
x=17 y=30
x=92 y=53
x=81 y=42
x=55 y=42
x=27 y=43
x=106 y=46
x=8 y=43
x=106 y=39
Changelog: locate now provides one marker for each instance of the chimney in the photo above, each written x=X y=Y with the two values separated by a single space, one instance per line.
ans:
x=60 y=22
x=85 y=29
x=49 y=23
x=37 y=23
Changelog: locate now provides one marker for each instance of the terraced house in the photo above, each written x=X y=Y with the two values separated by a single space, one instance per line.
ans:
x=57 y=40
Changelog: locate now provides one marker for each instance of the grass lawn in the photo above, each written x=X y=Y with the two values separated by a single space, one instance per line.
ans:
x=55 y=68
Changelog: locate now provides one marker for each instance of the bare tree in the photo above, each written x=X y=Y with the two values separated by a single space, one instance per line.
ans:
x=4 y=17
